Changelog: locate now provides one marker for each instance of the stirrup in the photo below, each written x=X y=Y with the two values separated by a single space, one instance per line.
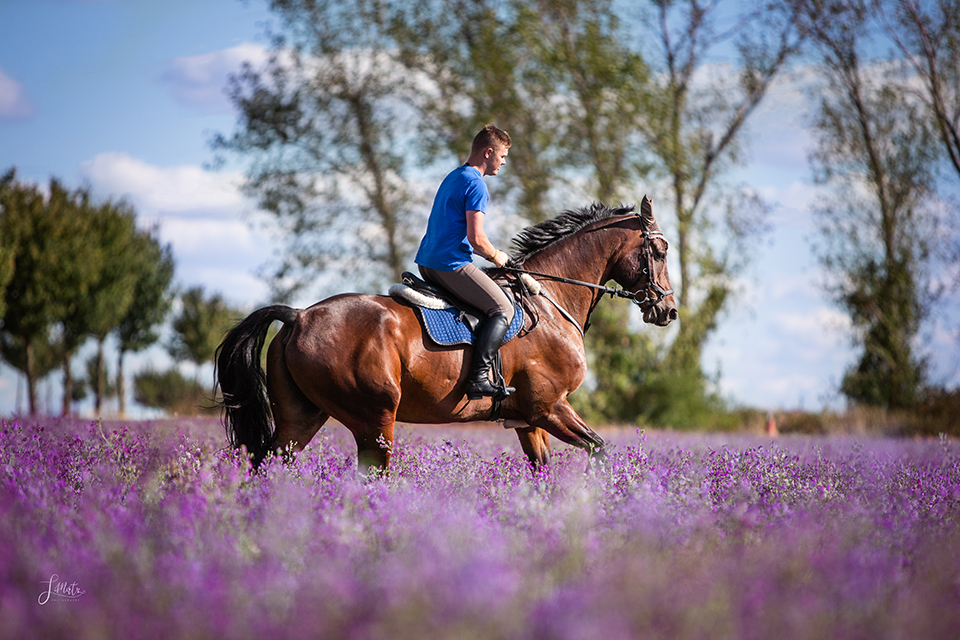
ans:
x=486 y=389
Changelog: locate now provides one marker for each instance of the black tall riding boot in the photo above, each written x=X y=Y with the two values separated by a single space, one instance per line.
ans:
x=485 y=350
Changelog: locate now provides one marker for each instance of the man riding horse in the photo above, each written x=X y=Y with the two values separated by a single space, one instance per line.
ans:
x=367 y=361
x=454 y=233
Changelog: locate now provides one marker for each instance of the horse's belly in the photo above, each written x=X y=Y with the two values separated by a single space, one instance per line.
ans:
x=433 y=390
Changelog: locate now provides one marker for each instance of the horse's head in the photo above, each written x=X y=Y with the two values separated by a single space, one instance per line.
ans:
x=643 y=270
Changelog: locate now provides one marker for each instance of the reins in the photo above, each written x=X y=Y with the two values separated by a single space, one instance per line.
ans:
x=614 y=292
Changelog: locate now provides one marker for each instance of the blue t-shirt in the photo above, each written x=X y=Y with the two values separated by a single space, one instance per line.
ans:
x=445 y=246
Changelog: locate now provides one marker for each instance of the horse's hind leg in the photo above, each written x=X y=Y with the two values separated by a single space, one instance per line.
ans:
x=374 y=435
x=536 y=444
x=297 y=419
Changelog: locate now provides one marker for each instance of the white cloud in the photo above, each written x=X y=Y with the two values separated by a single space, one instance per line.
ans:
x=201 y=214
x=821 y=328
x=163 y=191
x=781 y=359
x=199 y=81
x=791 y=204
x=14 y=103
x=193 y=235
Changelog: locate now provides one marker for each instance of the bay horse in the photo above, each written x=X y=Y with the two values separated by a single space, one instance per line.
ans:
x=366 y=361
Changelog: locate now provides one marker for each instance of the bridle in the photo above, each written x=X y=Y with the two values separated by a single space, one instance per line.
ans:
x=647 y=302
x=659 y=292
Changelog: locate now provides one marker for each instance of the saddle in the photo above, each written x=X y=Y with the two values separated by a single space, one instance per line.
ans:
x=447 y=320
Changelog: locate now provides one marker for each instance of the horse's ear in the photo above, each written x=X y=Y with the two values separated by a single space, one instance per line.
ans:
x=646 y=211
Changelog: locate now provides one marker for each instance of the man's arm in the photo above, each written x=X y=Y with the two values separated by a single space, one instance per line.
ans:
x=479 y=241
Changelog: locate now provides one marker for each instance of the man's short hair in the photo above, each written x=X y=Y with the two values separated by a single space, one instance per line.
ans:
x=490 y=136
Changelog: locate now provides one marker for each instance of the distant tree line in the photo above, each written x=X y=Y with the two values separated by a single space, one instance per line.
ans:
x=74 y=270
x=606 y=100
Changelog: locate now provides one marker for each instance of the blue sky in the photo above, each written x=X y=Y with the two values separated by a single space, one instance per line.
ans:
x=124 y=95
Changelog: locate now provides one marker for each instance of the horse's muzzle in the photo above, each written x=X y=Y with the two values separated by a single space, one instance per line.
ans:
x=661 y=314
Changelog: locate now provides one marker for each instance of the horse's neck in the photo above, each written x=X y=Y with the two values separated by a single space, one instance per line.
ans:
x=580 y=257
x=584 y=258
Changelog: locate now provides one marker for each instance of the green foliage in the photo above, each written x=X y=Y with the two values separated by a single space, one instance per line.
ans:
x=633 y=382
x=79 y=267
x=582 y=49
x=152 y=269
x=105 y=285
x=200 y=326
x=7 y=246
x=885 y=306
x=620 y=361
x=111 y=294
x=876 y=154
x=52 y=266
x=559 y=76
x=41 y=358
x=172 y=392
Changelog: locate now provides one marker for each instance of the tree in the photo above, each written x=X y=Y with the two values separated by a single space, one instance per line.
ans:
x=697 y=113
x=324 y=134
x=928 y=36
x=596 y=78
x=200 y=326
x=51 y=265
x=471 y=64
x=96 y=378
x=152 y=298
x=621 y=359
x=8 y=244
x=876 y=153
x=567 y=74
x=97 y=308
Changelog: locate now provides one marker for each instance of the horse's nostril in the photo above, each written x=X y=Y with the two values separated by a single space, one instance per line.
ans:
x=673 y=314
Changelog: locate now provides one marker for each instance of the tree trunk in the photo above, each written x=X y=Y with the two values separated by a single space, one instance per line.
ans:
x=121 y=387
x=31 y=379
x=67 y=384
x=99 y=383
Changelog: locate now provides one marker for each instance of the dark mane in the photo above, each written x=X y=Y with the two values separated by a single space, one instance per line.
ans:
x=538 y=237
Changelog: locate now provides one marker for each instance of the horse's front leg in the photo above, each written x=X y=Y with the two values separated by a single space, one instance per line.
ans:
x=536 y=444
x=563 y=423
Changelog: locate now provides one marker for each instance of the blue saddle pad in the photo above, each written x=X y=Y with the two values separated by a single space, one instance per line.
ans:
x=445 y=327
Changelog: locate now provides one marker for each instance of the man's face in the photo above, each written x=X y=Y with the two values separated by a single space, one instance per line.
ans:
x=495 y=158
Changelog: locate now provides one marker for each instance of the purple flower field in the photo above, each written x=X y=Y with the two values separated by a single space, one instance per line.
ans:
x=154 y=530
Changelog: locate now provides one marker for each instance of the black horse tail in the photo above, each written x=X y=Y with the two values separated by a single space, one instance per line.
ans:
x=243 y=383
